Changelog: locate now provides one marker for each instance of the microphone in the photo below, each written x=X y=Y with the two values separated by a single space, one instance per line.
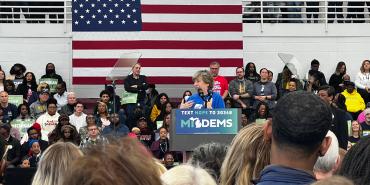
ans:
x=210 y=92
x=200 y=92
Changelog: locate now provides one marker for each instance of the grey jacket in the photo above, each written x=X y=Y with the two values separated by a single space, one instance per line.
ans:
x=265 y=89
x=239 y=87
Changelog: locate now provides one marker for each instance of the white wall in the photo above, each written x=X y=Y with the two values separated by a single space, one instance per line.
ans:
x=34 y=46
x=341 y=42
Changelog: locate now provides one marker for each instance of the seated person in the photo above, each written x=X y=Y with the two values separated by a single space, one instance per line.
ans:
x=105 y=98
x=14 y=153
x=146 y=135
x=117 y=128
x=33 y=135
x=50 y=73
x=70 y=134
x=93 y=136
x=61 y=94
x=35 y=153
x=49 y=119
x=354 y=102
x=38 y=107
x=261 y=114
x=161 y=146
x=71 y=103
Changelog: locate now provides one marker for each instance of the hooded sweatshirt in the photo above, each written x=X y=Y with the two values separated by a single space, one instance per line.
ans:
x=354 y=101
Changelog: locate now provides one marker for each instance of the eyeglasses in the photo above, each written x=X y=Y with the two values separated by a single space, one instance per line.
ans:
x=92 y=129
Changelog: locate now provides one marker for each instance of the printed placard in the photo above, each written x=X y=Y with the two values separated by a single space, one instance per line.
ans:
x=207 y=121
x=15 y=99
x=51 y=82
x=128 y=97
x=22 y=125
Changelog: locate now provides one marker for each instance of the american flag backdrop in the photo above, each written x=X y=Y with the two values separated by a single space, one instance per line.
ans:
x=175 y=37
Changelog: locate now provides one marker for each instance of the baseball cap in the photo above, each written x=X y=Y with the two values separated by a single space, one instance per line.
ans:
x=45 y=90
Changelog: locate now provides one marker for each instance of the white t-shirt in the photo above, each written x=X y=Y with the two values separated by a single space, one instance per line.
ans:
x=78 y=121
x=61 y=100
x=48 y=124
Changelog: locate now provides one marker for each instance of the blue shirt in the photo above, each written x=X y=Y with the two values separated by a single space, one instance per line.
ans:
x=118 y=131
x=10 y=113
x=280 y=175
x=199 y=103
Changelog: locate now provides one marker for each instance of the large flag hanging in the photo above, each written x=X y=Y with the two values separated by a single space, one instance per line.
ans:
x=174 y=37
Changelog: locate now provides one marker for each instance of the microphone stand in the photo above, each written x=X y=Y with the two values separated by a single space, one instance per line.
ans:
x=114 y=96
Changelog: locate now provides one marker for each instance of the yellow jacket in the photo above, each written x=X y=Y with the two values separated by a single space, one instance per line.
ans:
x=354 y=101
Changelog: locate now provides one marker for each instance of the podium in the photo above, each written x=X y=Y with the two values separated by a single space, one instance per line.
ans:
x=192 y=127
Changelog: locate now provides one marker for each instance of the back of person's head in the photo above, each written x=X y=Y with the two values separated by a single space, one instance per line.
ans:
x=329 y=162
x=187 y=175
x=355 y=164
x=248 y=154
x=119 y=162
x=55 y=162
x=334 y=180
x=161 y=169
x=301 y=121
x=210 y=157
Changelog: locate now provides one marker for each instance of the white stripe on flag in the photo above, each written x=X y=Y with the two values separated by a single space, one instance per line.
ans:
x=192 y=18
x=149 y=71
x=155 y=35
x=150 y=53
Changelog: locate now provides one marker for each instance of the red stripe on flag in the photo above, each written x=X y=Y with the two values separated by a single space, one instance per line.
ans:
x=155 y=80
x=210 y=27
x=155 y=44
x=192 y=9
x=160 y=62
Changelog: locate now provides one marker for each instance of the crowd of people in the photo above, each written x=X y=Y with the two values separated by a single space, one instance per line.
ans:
x=295 y=130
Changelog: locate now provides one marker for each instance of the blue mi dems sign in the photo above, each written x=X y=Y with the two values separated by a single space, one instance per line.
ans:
x=212 y=121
